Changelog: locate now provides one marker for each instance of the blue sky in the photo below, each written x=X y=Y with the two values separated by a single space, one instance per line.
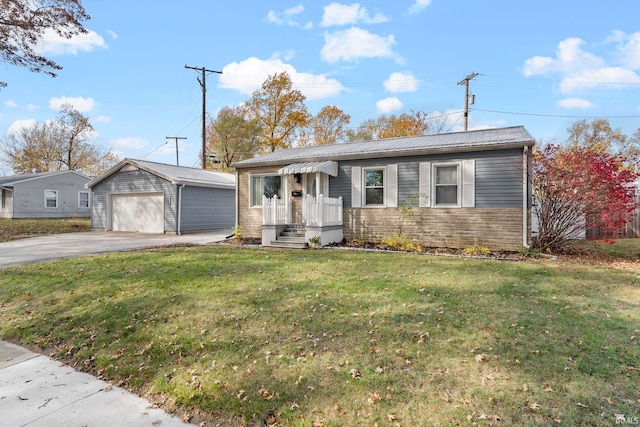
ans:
x=542 y=64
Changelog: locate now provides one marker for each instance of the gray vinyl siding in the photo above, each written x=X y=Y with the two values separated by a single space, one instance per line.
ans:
x=498 y=177
x=28 y=197
x=207 y=208
x=137 y=181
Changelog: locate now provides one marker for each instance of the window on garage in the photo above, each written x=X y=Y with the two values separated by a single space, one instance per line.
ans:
x=50 y=199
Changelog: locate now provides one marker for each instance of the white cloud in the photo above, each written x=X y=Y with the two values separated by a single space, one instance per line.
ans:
x=569 y=58
x=81 y=104
x=32 y=107
x=248 y=75
x=389 y=105
x=580 y=69
x=401 y=82
x=630 y=50
x=287 y=17
x=355 y=43
x=419 y=6
x=10 y=104
x=608 y=77
x=113 y=34
x=571 y=103
x=54 y=44
x=102 y=119
x=129 y=143
x=337 y=14
x=18 y=125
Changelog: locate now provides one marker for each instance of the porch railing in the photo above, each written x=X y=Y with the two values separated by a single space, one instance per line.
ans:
x=322 y=211
x=276 y=211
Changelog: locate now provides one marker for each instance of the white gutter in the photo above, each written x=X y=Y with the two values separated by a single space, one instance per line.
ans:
x=180 y=207
x=525 y=196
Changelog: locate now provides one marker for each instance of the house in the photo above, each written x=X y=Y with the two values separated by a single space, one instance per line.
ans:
x=448 y=190
x=149 y=197
x=45 y=195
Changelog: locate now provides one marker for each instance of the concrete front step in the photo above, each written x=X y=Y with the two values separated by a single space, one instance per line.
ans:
x=293 y=236
x=290 y=245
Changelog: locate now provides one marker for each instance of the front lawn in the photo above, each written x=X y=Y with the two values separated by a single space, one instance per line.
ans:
x=246 y=336
x=13 y=229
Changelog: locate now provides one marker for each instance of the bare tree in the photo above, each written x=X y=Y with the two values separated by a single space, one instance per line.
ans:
x=62 y=144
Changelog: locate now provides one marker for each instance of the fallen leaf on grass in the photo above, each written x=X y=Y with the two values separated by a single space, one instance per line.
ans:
x=534 y=406
x=355 y=373
x=265 y=394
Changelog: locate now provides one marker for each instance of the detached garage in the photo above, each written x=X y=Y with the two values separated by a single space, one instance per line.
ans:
x=148 y=197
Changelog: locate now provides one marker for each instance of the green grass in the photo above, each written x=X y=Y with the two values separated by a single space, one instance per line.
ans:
x=237 y=335
x=12 y=229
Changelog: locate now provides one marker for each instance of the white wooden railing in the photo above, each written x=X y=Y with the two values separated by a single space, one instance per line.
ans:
x=276 y=211
x=322 y=211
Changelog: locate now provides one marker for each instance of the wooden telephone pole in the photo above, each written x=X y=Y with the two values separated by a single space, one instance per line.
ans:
x=465 y=82
x=203 y=83
x=176 y=138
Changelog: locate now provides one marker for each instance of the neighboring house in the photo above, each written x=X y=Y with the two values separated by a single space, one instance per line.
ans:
x=148 y=197
x=448 y=190
x=45 y=195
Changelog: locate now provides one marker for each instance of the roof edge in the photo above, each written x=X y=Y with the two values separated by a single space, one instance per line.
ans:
x=405 y=153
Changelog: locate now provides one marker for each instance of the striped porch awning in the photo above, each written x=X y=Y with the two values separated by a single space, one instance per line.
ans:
x=328 y=167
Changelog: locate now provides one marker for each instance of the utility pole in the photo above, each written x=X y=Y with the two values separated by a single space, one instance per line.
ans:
x=465 y=82
x=176 y=138
x=203 y=83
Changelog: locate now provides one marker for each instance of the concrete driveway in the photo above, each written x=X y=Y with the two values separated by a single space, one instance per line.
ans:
x=69 y=245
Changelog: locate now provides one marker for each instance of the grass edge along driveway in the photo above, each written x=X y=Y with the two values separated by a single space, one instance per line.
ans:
x=242 y=336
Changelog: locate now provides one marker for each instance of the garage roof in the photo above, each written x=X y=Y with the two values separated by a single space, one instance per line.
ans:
x=10 y=181
x=175 y=174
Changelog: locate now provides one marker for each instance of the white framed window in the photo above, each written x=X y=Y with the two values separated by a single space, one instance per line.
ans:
x=374 y=186
x=50 y=199
x=446 y=188
x=447 y=184
x=84 y=200
x=265 y=185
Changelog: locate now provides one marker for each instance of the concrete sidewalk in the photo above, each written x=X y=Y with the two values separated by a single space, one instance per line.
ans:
x=37 y=391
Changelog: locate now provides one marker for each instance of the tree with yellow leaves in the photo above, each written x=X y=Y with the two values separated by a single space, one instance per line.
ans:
x=280 y=111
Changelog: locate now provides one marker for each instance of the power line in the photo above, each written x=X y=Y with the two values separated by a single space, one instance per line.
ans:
x=557 y=115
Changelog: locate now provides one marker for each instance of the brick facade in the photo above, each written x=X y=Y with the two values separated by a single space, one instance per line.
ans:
x=495 y=228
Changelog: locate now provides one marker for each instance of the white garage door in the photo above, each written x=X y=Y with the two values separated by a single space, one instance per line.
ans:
x=138 y=212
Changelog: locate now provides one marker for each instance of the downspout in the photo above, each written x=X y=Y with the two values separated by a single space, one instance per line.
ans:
x=525 y=196
x=180 y=208
x=237 y=205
